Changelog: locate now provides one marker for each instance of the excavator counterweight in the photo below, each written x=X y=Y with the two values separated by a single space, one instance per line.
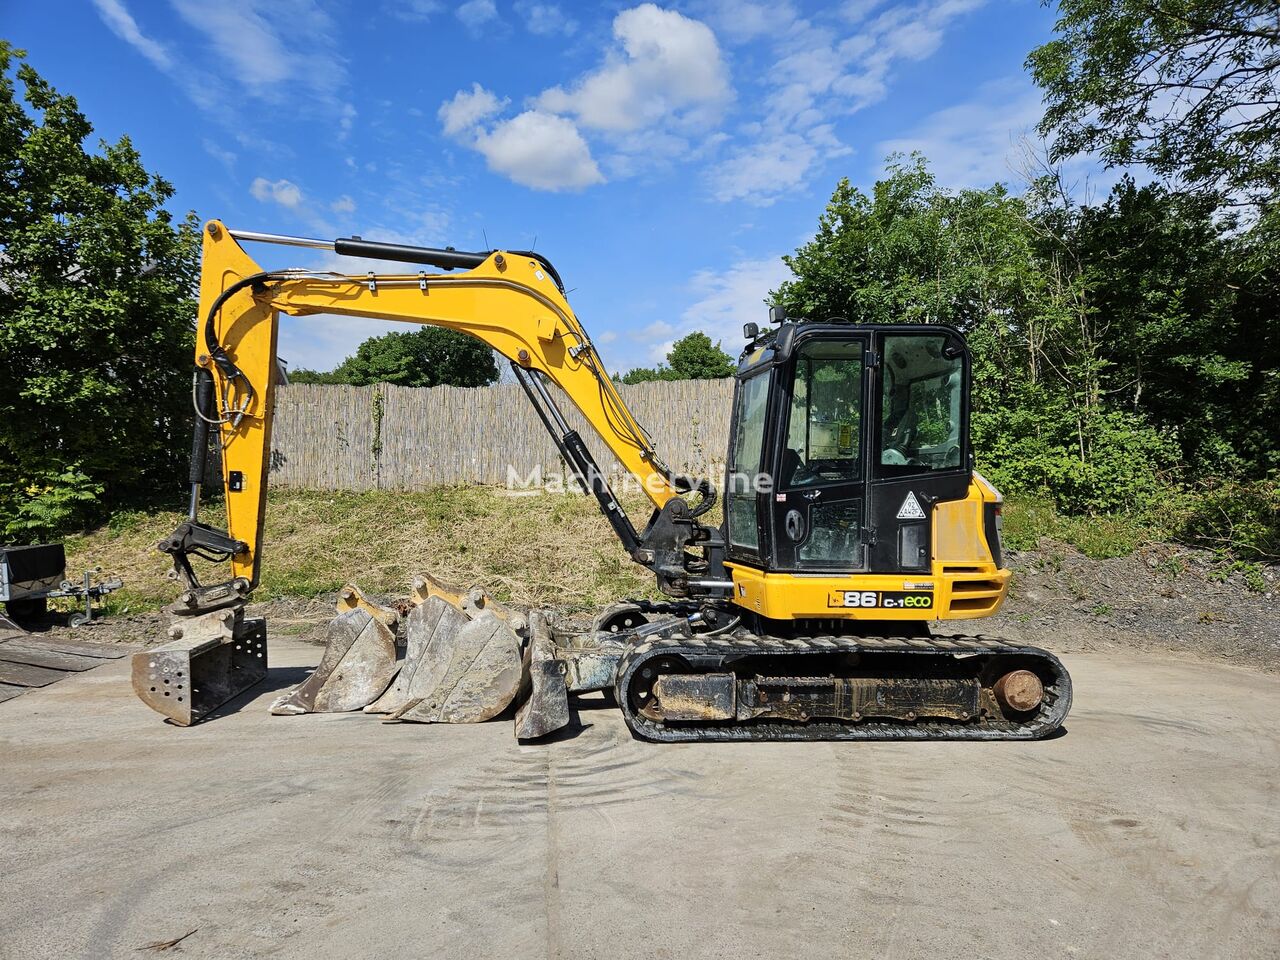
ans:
x=853 y=519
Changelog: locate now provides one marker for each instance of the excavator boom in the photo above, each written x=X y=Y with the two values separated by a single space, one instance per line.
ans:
x=511 y=301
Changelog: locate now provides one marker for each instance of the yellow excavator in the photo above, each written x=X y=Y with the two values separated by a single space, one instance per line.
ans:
x=852 y=520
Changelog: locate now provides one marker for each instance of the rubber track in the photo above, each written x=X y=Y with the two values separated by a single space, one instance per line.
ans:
x=1052 y=712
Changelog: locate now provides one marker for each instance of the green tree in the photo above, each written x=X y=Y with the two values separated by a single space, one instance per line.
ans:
x=426 y=357
x=1187 y=87
x=1008 y=272
x=96 y=316
x=646 y=374
x=692 y=357
x=695 y=357
x=911 y=252
x=1186 y=341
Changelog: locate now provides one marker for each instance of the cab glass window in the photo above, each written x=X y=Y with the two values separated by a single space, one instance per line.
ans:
x=824 y=430
x=744 y=466
x=921 y=406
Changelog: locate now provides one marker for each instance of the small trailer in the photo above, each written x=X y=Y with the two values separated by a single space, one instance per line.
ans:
x=30 y=576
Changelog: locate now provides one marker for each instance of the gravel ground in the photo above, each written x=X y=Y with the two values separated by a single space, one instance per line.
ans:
x=1148 y=829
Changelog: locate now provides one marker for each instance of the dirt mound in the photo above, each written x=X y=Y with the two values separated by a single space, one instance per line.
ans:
x=1160 y=597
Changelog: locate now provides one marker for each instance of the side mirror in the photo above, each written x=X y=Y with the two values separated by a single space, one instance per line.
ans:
x=783 y=343
x=777 y=313
x=750 y=330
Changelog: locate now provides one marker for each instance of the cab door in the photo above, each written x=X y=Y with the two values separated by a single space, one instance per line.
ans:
x=817 y=509
x=918 y=444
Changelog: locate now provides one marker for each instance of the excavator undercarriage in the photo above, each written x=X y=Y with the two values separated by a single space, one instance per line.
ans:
x=805 y=614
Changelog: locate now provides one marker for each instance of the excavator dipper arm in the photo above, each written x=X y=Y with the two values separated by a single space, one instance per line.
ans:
x=513 y=301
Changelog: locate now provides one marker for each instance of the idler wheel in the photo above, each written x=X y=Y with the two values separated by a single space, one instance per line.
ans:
x=1019 y=691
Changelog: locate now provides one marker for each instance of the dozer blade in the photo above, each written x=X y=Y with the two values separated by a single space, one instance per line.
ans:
x=359 y=661
x=465 y=670
x=212 y=659
x=544 y=696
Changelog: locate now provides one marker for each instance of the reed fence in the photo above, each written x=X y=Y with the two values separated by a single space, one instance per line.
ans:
x=386 y=437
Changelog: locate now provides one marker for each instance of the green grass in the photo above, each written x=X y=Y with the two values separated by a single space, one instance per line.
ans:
x=1028 y=523
x=555 y=550
x=543 y=550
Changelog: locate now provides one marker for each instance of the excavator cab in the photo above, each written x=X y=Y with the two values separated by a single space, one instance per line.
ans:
x=842 y=436
x=850 y=492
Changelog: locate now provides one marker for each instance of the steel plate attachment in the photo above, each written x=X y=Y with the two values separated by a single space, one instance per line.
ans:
x=212 y=659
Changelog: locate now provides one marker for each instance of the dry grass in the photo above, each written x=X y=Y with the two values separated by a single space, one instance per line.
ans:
x=540 y=550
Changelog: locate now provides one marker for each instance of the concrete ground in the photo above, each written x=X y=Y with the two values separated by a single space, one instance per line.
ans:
x=1150 y=829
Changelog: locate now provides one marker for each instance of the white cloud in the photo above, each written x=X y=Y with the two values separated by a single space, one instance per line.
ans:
x=974 y=143
x=346 y=120
x=741 y=21
x=727 y=299
x=535 y=149
x=467 y=110
x=656 y=96
x=899 y=33
x=986 y=139
x=720 y=302
x=122 y=24
x=539 y=150
x=822 y=71
x=255 y=53
x=656 y=330
x=857 y=10
x=760 y=171
x=414 y=11
x=667 y=63
x=763 y=170
x=474 y=14
x=275 y=51
x=344 y=204
x=545 y=19
x=284 y=192
x=224 y=156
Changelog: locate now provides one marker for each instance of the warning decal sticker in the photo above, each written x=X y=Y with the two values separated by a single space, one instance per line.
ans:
x=910 y=509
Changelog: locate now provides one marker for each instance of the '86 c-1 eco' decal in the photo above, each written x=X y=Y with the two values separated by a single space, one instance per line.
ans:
x=885 y=599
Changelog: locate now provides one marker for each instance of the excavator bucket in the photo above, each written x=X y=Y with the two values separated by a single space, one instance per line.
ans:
x=471 y=601
x=358 y=664
x=544 y=706
x=458 y=669
x=432 y=625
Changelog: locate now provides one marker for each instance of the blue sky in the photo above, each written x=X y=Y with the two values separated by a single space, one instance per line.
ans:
x=663 y=156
